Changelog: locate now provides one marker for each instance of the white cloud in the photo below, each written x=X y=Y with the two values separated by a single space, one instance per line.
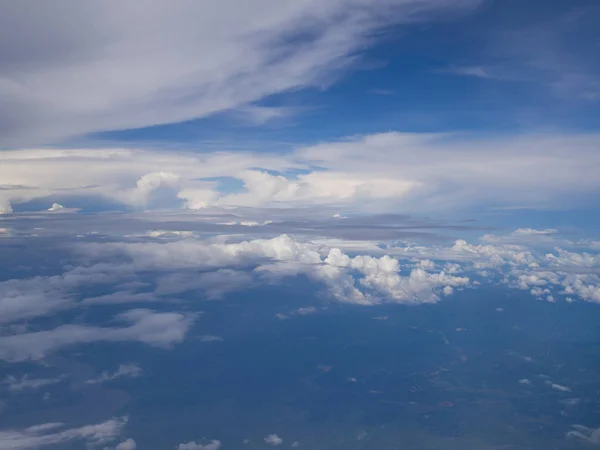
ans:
x=391 y=171
x=152 y=328
x=591 y=435
x=128 y=444
x=175 y=62
x=50 y=434
x=124 y=370
x=560 y=387
x=27 y=383
x=273 y=439
x=192 y=445
x=306 y=311
x=210 y=338
x=533 y=231
x=28 y=298
x=56 y=207
x=379 y=276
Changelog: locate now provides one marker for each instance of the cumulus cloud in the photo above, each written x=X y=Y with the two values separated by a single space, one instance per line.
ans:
x=152 y=328
x=56 y=207
x=379 y=277
x=124 y=370
x=367 y=273
x=192 y=445
x=273 y=439
x=51 y=434
x=128 y=444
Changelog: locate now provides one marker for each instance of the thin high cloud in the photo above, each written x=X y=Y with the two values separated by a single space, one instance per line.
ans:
x=55 y=434
x=123 y=371
x=26 y=383
x=71 y=68
x=556 y=51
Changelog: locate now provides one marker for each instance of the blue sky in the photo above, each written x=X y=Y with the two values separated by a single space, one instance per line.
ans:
x=184 y=184
x=485 y=74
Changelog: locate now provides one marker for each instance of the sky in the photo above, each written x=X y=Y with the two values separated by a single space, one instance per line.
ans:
x=158 y=154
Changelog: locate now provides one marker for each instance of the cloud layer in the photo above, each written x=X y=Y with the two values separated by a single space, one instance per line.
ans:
x=71 y=68
x=375 y=173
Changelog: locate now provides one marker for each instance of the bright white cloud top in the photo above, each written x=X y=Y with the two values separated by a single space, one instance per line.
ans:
x=375 y=173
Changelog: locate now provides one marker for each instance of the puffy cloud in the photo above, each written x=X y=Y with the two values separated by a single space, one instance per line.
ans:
x=565 y=259
x=585 y=286
x=56 y=207
x=273 y=439
x=192 y=445
x=378 y=275
x=124 y=370
x=128 y=444
x=152 y=328
x=381 y=275
x=51 y=434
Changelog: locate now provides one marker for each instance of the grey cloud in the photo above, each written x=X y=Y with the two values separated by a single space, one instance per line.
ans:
x=69 y=67
x=27 y=383
x=51 y=434
x=214 y=284
x=128 y=444
x=193 y=445
x=123 y=371
x=152 y=328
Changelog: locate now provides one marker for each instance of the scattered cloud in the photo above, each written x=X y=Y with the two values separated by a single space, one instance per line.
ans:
x=591 y=435
x=27 y=383
x=560 y=387
x=273 y=439
x=152 y=328
x=53 y=434
x=128 y=444
x=210 y=338
x=533 y=231
x=124 y=371
x=192 y=445
x=472 y=71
